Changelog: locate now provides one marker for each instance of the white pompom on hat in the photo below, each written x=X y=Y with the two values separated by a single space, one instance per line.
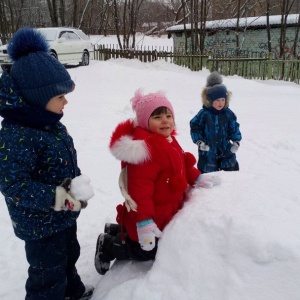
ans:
x=144 y=105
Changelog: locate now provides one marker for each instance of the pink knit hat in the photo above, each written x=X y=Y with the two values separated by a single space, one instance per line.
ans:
x=145 y=105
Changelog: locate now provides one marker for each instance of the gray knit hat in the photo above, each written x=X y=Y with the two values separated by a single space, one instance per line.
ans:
x=38 y=76
x=215 y=89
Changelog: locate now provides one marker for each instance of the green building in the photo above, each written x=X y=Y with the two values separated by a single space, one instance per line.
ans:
x=251 y=34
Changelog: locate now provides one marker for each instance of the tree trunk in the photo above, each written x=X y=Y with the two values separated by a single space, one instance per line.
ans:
x=116 y=19
x=184 y=25
x=53 y=12
x=238 y=28
x=268 y=26
x=75 y=13
x=62 y=13
x=296 y=39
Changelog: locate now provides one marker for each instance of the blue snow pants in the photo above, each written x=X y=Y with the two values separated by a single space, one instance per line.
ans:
x=52 y=274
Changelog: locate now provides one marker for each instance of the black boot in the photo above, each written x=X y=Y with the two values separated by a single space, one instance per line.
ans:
x=104 y=253
x=112 y=229
x=88 y=293
x=120 y=247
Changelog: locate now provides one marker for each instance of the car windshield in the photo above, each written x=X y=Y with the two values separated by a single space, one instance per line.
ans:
x=49 y=34
x=82 y=35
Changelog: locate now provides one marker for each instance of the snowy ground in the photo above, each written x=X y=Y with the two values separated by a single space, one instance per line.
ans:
x=237 y=241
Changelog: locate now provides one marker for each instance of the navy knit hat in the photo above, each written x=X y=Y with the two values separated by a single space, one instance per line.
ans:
x=214 y=87
x=38 y=76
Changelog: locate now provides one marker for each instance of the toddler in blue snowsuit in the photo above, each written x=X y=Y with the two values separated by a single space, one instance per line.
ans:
x=215 y=129
x=37 y=155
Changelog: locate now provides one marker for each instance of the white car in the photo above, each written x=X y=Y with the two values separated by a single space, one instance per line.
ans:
x=69 y=45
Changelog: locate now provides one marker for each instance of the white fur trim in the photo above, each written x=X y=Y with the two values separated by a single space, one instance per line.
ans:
x=132 y=151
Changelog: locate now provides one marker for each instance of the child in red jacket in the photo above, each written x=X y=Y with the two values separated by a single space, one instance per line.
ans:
x=155 y=175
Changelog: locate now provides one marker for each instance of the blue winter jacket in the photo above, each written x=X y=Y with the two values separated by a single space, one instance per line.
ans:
x=217 y=129
x=36 y=155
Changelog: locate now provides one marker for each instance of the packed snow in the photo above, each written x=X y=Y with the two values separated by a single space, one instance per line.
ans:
x=237 y=241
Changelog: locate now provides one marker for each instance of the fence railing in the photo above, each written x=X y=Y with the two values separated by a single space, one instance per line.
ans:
x=252 y=68
x=257 y=68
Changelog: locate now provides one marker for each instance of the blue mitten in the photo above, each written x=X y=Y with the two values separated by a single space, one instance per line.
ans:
x=147 y=231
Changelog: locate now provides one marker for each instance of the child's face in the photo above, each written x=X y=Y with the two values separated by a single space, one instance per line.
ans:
x=57 y=104
x=162 y=124
x=218 y=104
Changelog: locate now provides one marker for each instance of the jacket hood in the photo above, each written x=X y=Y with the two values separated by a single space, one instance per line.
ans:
x=132 y=144
x=208 y=103
x=9 y=97
x=124 y=147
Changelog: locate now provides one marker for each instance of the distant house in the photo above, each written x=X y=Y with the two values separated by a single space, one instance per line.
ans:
x=221 y=35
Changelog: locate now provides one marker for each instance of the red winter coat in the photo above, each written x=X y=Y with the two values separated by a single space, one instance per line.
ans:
x=158 y=174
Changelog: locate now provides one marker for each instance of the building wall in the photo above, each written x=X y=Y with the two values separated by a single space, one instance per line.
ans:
x=252 y=42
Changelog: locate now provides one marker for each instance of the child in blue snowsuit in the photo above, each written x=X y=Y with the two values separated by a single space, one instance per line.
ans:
x=36 y=156
x=215 y=129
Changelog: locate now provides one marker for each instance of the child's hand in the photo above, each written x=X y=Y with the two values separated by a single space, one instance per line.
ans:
x=207 y=181
x=147 y=231
x=64 y=201
x=235 y=147
x=202 y=146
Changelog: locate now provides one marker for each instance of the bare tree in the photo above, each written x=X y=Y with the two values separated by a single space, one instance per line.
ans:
x=97 y=16
x=117 y=26
x=62 y=12
x=180 y=10
x=4 y=24
x=205 y=8
x=127 y=24
x=268 y=2
x=286 y=7
x=238 y=16
x=185 y=13
x=53 y=12
x=227 y=9
x=296 y=38
x=83 y=13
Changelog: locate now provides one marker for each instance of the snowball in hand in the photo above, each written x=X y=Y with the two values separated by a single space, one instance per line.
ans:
x=81 y=188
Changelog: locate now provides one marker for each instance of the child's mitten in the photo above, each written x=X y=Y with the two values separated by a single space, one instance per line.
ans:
x=235 y=147
x=207 y=181
x=147 y=231
x=64 y=201
x=202 y=146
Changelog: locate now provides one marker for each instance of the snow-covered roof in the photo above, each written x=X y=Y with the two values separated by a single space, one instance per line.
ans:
x=243 y=22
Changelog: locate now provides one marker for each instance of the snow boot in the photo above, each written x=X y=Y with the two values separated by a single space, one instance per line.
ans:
x=104 y=253
x=112 y=229
x=88 y=293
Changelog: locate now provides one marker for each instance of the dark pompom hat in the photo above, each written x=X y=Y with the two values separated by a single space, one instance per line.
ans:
x=38 y=76
x=215 y=89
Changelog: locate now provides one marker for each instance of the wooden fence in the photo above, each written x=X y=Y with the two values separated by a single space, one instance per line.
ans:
x=257 y=68
x=252 y=68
